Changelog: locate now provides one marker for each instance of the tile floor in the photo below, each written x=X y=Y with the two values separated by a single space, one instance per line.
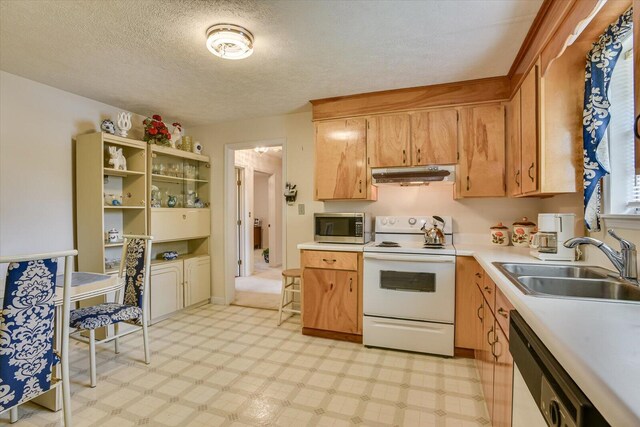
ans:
x=229 y=366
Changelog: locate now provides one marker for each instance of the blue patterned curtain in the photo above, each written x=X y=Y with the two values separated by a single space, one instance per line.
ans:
x=601 y=61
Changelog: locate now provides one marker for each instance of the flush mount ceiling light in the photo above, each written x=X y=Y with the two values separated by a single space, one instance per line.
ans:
x=229 y=41
x=261 y=150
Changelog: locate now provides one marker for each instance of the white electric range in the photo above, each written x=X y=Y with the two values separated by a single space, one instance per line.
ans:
x=409 y=288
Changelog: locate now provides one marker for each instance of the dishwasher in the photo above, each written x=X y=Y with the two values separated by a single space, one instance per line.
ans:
x=543 y=392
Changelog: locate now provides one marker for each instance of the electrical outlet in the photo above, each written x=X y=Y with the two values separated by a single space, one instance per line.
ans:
x=300 y=209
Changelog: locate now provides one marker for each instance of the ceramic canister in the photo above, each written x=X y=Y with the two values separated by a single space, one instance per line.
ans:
x=521 y=234
x=500 y=235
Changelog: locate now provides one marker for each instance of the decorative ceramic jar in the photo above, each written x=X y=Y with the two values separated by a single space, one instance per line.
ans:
x=186 y=143
x=500 y=235
x=112 y=235
x=522 y=229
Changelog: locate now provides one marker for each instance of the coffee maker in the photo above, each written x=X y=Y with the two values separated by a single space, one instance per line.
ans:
x=553 y=230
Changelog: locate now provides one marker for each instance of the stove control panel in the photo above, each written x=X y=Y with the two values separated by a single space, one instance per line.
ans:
x=407 y=224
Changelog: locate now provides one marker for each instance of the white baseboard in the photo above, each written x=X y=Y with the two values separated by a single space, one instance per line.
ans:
x=218 y=301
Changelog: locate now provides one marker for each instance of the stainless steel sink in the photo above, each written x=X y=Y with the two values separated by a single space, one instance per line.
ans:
x=547 y=270
x=570 y=281
x=581 y=288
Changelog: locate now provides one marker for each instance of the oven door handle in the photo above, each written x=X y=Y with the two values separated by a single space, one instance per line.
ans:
x=412 y=258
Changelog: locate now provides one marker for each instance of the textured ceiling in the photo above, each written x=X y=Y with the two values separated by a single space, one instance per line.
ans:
x=149 y=56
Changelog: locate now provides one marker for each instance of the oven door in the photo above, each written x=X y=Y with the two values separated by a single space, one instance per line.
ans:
x=405 y=286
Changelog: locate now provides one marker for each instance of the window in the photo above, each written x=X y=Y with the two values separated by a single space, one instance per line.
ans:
x=622 y=186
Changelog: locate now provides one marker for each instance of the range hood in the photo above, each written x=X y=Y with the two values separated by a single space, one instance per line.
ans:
x=416 y=175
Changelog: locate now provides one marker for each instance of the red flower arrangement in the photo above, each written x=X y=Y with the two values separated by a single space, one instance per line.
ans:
x=155 y=131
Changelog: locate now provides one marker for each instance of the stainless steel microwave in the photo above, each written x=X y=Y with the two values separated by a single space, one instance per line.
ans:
x=341 y=227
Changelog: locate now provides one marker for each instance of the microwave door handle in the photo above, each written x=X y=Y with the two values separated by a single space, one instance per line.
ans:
x=411 y=258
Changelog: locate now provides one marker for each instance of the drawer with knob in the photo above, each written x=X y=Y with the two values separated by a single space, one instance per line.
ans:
x=330 y=260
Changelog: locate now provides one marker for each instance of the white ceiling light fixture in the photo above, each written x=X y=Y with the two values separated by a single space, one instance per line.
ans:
x=229 y=41
x=261 y=150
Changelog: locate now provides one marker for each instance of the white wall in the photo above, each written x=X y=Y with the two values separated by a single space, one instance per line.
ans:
x=38 y=125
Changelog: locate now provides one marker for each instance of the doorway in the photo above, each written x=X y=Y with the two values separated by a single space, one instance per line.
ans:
x=258 y=227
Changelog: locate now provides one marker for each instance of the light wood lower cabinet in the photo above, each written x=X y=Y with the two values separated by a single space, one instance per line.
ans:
x=177 y=284
x=332 y=294
x=485 y=315
x=331 y=300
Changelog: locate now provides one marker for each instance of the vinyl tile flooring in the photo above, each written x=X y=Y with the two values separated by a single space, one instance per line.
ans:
x=231 y=366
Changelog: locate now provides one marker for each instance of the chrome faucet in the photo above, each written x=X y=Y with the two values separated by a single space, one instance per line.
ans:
x=625 y=261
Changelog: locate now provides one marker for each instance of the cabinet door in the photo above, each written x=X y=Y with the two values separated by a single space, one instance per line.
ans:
x=197 y=280
x=482 y=160
x=434 y=137
x=341 y=154
x=388 y=141
x=514 y=153
x=486 y=374
x=330 y=300
x=468 y=300
x=529 y=131
x=165 y=289
x=503 y=381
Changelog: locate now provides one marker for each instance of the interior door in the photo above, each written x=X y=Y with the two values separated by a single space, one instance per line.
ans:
x=341 y=154
x=239 y=215
x=434 y=137
x=529 y=131
x=330 y=300
x=388 y=141
x=482 y=157
x=514 y=147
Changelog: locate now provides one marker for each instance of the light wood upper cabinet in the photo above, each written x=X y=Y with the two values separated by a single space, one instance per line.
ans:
x=481 y=171
x=514 y=147
x=341 y=154
x=330 y=300
x=529 y=131
x=434 y=137
x=388 y=141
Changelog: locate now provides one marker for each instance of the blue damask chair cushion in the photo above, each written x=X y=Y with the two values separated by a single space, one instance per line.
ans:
x=26 y=331
x=105 y=314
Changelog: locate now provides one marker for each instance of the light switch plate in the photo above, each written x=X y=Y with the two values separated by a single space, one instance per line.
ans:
x=300 y=209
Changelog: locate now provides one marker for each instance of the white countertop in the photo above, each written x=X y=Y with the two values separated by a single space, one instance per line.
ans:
x=339 y=247
x=597 y=343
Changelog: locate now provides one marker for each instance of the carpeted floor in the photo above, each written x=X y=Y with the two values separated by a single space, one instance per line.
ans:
x=262 y=289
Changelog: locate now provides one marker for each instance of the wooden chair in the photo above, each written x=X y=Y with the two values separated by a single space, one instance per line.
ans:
x=134 y=274
x=27 y=323
x=290 y=279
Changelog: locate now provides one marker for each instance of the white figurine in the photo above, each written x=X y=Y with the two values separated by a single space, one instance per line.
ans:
x=124 y=123
x=117 y=159
x=176 y=135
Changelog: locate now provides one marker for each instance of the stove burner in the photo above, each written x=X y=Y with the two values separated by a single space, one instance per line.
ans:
x=388 y=245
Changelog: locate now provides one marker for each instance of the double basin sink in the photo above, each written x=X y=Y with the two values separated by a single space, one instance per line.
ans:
x=569 y=281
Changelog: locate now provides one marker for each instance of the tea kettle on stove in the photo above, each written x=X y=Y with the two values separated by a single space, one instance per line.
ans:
x=434 y=236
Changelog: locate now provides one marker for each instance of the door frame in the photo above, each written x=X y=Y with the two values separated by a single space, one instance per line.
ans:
x=229 y=220
x=240 y=205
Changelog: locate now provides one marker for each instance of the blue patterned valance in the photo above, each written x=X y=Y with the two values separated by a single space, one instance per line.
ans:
x=601 y=61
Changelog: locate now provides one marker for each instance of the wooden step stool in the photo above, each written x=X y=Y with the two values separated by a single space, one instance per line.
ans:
x=290 y=279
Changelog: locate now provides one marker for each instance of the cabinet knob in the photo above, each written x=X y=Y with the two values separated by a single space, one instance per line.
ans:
x=419 y=156
x=184 y=216
x=502 y=312
x=487 y=289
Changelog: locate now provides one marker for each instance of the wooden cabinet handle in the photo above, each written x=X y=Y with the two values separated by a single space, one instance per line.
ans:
x=478 y=312
x=468 y=183
x=331 y=286
x=493 y=348
x=404 y=156
x=502 y=312
x=360 y=186
x=635 y=128
x=518 y=177
x=329 y=261
x=350 y=284
x=487 y=289
x=419 y=156
x=489 y=340
x=530 y=170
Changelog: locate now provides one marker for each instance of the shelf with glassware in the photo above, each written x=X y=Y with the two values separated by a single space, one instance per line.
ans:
x=180 y=221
